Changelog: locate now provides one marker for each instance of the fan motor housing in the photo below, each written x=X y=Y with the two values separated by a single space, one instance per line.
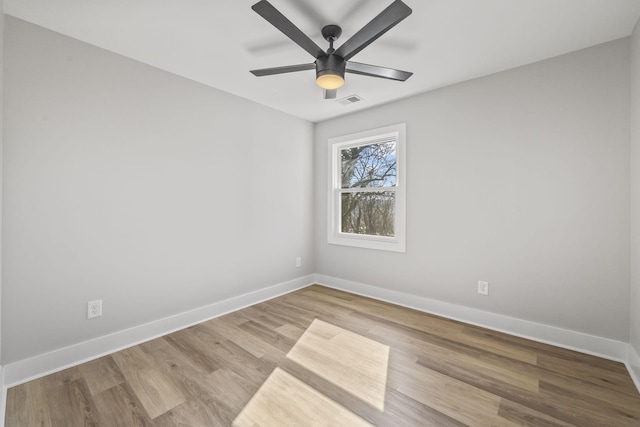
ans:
x=330 y=64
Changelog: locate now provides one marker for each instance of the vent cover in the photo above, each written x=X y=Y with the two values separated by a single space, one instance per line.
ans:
x=351 y=99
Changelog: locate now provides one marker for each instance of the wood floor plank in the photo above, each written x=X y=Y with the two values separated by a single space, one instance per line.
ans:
x=322 y=309
x=280 y=309
x=123 y=407
x=585 y=411
x=71 y=405
x=239 y=336
x=439 y=372
x=290 y=331
x=593 y=392
x=232 y=389
x=270 y=336
x=236 y=359
x=502 y=369
x=60 y=378
x=401 y=410
x=101 y=374
x=601 y=372
x=260 y=315
x=196 y=341
x=177 y=367
x=214 y=401
x=459 y=400
x=525 y=416
x=27 y=406
x=194 y=413
x=472 y=336
x=157 y=393
x=402 y=315
x=536 y=403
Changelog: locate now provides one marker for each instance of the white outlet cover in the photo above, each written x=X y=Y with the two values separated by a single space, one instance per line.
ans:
x=483 y=287
x=94 y=309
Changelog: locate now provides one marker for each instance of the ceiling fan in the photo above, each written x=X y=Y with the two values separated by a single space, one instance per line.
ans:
x=331 y=65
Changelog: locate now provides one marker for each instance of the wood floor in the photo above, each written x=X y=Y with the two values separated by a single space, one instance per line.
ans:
x=321 y=357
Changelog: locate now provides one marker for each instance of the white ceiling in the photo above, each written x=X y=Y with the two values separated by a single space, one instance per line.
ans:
x=217 y=42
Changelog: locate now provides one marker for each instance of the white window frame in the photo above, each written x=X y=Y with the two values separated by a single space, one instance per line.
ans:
x=396 y=243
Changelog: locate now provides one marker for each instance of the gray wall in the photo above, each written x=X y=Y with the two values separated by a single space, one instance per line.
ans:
x=131 y=185
x=635 y=189
x=521 y=179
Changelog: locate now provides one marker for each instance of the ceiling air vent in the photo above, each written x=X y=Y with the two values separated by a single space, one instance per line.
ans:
x=351 y=99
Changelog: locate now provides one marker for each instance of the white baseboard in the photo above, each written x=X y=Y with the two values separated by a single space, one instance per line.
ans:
x=35 y=367
x=578 y=341
x=633 y=366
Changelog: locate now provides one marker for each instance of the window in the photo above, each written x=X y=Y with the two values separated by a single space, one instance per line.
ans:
x=367 y=189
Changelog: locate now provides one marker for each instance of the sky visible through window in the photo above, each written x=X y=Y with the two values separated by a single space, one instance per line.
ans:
x=372 y=165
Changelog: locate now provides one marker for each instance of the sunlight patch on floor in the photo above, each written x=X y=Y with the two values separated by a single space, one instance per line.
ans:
x=350 y=361
x=284 y=400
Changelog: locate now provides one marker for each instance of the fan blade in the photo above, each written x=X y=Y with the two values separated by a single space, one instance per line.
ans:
x=379 y=25
x=278 y=20
x=330 y=93
x=375 y=71
x=281 y=70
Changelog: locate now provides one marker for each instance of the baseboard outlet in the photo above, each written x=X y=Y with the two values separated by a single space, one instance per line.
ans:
x=572 y=340
x=633 y=366
x=19 y=372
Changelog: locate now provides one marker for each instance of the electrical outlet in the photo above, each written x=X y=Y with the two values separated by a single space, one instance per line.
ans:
x=483 y=288
x=299 y=262
x=94 y=309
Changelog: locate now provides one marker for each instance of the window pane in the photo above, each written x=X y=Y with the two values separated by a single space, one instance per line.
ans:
x=368 y=213
x=372 y=165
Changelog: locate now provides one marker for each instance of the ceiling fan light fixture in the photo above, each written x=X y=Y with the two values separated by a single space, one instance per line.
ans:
x=330 y=81
x=330 y=72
